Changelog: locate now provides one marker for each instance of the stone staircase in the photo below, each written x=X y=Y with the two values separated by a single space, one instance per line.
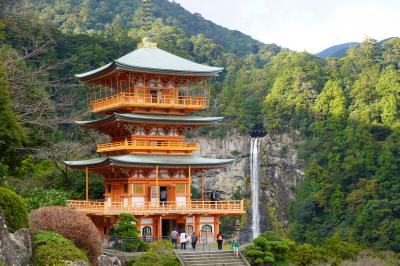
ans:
x=212 y=258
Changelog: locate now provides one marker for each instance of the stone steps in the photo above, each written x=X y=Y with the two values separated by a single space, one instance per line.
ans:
x=216 y=258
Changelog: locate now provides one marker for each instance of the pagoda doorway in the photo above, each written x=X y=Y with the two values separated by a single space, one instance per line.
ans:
x=163 y=194
x=167 y=226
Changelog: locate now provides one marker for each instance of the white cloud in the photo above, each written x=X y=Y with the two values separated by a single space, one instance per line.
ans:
x=310 y=25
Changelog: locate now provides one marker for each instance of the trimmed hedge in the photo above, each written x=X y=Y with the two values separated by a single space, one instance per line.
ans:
x=69 y=223
x=50 y=248
x=160 y=253
x=14 y=209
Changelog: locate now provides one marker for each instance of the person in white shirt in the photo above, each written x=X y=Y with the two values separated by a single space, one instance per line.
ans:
x=183 y=240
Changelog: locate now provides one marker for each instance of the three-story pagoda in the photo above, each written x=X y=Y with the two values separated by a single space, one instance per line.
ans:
x=144 y=99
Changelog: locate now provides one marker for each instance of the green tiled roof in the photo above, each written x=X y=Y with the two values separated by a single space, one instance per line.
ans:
x=185 y=120
x=150 y=160
x=155 y=60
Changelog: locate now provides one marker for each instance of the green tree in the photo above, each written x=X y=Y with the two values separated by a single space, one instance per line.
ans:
x=41 y=197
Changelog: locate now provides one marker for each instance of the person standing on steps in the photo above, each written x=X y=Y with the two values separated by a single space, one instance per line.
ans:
x=235 y=246
x=220 y=239
x=194 y=240
x=174 y=237
x=183 y=240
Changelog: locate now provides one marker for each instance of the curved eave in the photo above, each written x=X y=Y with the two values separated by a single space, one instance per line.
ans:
x=110 y=66
x=171 y=71
x=151 y=119
x=96 y=72
x=150 y=160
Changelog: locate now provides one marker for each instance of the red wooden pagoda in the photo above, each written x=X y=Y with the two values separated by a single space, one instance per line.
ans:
x=144 y=99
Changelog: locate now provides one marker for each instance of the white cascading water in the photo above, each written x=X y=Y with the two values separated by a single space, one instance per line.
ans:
x=254 y=180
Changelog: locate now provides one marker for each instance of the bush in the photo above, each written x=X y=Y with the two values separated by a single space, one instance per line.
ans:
x=41 y=197
x=14 y=209
x=160 y=253
x=69 y=223
x=268 y=249
x=128 y=233
x=50 y=248
x=337 y=249
x=304 y=254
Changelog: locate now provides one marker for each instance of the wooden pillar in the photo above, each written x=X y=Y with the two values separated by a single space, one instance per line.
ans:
x=160 y=228
x=157 y=188
x=216 y=226
x=190 y=182
x=87 y=184
x=202 y=186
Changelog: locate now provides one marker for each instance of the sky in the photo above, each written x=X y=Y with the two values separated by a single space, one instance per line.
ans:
x=303 y=25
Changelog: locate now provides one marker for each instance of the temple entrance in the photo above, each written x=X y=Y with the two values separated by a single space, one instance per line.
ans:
x=181 y=228
x=163 y=194
x=167 y=226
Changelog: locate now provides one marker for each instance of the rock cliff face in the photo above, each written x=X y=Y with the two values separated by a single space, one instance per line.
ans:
x=280 y=173
x=15 y=249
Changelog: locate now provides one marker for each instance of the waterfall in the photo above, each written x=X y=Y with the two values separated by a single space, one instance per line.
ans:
x=254 y=180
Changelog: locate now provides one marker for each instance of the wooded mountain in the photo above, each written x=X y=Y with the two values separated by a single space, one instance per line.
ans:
x=338 y=51
x=104 y=16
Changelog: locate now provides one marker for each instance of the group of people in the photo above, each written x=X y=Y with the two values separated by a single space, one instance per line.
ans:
x=183 y=239
x=193 y=239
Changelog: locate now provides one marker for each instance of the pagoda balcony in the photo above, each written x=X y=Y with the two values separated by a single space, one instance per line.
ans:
x=226 y=207
x=132 y=101
x=151 y=145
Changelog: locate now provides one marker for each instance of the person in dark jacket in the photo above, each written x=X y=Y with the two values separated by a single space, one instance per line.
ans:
x=194 y=240
x=220 y=240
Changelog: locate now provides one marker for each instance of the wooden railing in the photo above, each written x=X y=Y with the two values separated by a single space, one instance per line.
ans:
x=157 y=145
x=127 y=99
x=169 y=207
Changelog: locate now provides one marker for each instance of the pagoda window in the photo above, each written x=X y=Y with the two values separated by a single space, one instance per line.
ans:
x=206 y=229
x=146 y=231
x=189 y=230
x=125 y=188
x=180 y=188
x=138 y=189
x=109 y=188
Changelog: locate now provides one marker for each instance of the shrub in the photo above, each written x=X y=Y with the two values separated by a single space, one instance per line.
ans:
x=41 y=197
x=337 y=249
x=126 y=228
x=160 y=253
x=69 y=223
x=268 y=249
x=50 y=248
x=304 y=254
x=14 y=209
